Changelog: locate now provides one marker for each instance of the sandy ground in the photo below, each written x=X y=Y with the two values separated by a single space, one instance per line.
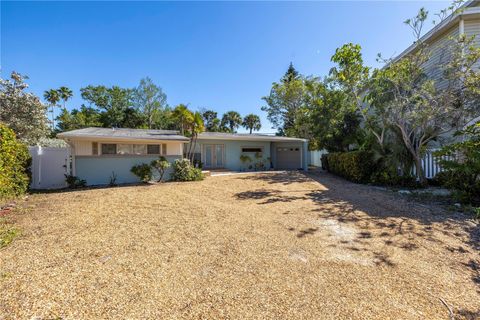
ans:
x=269 y=246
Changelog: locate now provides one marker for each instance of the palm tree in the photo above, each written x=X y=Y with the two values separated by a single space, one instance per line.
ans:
x=53 y=98
x=196 y=127
x=232 y=120
x=65 y=94
x=183 y=117
x=252 y=122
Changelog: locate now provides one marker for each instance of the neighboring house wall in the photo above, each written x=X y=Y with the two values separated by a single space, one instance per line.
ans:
x=440 y=55
x=472 y=28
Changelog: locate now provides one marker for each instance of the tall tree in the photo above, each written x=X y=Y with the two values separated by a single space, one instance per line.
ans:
x=151 y=101
x=291 y=74
x=78 y=119
x=195 y=127
x=53 y=97
x=423 y=108
x=331 y=121
x=65 y=94
x=211 y=121
x=252 y=122
x=23 y=112
x=285 y=102
x=183 y=117
x=231 y=120
x=114 y=101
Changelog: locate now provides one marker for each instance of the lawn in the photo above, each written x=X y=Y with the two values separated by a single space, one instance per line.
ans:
x=279 y=245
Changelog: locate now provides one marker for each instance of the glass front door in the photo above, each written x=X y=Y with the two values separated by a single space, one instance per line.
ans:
x=214 y=155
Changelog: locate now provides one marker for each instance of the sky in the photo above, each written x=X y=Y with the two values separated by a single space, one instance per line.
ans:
x=216 y=55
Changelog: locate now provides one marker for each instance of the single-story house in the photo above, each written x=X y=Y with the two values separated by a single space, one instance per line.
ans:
x=98 y=154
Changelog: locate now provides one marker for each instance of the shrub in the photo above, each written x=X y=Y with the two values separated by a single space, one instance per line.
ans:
x=143 y=171
x=356 y=166
x=161 y=165
x=390 y=177
x=14 y=165
x=462 y=173
x=74 y=182
x=184 y=171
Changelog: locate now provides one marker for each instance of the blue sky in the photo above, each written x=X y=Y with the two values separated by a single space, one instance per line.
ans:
x=218 y=55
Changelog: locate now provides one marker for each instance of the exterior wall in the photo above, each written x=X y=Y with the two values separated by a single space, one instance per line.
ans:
x=472 y=28
x=84 y=147
x=97 y=170
x=439 y=55
x=233 y=150
x=302 y=145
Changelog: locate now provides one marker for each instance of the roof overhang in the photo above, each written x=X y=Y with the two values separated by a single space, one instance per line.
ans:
x=67 y=137
x=465 y=12
x=251 y=138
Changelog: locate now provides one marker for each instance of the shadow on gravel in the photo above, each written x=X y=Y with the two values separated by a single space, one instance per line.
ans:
x=382 y=215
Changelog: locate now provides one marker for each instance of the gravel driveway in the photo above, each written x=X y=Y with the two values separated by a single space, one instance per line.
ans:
x=265 y=246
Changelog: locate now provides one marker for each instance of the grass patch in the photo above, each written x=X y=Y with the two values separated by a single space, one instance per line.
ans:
x=7 y=233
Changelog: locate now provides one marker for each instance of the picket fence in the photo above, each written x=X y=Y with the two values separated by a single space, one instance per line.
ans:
x=430 y=164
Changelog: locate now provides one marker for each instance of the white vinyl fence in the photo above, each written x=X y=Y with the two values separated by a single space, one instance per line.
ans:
x=315 y=157
x=49 y=166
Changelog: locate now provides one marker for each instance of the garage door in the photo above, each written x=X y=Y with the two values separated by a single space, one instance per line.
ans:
x=289 y=158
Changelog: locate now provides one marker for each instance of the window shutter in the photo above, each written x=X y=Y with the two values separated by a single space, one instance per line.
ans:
x=164 y=149
x=95 y=148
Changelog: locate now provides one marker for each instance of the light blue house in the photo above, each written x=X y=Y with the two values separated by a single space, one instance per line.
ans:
x=243 y=152
x=99 y=154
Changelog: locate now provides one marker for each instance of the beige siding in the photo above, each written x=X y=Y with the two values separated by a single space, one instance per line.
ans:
x=82 y=148
x=174 y=149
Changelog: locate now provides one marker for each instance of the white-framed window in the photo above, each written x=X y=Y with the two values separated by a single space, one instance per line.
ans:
x=109 y=148
x=124 y=148
x=139 y=149
x=153 y=149
x=132 y=149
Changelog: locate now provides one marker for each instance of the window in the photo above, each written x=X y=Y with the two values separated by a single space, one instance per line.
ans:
x=124 y=148
x=164 y=149
x=109 y=148
x=139 y=149
x=153 y=149
x=252 y=149
x=94 y=148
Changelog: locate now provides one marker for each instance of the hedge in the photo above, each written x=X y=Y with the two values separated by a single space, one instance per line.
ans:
x=356 y=166
x=14 y=165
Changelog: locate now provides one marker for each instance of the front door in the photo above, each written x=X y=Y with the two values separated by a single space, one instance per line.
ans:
x=213 y=155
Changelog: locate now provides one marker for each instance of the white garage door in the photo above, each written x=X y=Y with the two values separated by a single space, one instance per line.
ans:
x=289 y=158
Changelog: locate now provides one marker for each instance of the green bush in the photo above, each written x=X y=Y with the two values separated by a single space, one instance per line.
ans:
x=14 y=165
x=462 y=171
x=160 y=165
x=389 y=177
x=184 y=171
x=143 y=171
x=356 y=166
x=74 y=182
